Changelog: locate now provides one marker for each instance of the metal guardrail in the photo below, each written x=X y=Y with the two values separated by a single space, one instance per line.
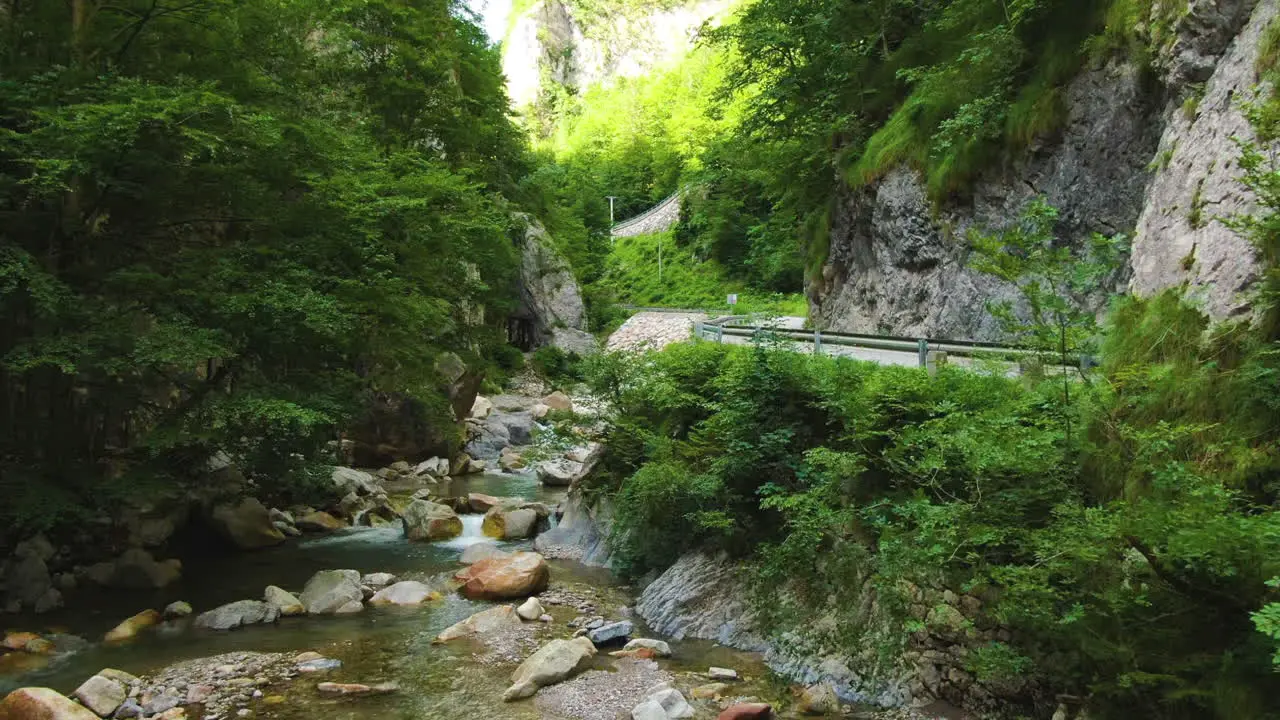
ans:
x=927 y=349
x=637 y=219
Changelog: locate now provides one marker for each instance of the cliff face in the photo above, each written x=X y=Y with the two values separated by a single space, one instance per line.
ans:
x=1130 y=159
x=551 y=42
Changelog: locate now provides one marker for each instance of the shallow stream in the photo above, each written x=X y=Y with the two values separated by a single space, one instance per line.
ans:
x=377 y=645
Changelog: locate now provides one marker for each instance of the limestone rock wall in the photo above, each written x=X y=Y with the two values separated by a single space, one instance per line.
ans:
x=551 y=311
x=549 y=42
x=1130 y=159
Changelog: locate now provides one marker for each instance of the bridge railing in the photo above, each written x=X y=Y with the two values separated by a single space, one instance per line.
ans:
x=926 y=349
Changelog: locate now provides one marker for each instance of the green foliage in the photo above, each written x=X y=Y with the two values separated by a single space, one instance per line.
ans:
x=1267 y=620
x=221 y=230
x=631 y=276
x=561 y=368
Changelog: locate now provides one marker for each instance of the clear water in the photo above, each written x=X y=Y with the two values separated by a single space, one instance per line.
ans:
x=379 y=644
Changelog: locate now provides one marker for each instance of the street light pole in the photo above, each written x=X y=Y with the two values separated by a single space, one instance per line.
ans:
x=611 y=198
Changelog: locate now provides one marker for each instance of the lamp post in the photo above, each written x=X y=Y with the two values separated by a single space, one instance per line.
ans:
x=611 y=198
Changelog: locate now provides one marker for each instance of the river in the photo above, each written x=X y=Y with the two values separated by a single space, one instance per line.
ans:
x=377 y=645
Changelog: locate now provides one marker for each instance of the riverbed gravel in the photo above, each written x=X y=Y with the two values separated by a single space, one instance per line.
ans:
x=601 y=694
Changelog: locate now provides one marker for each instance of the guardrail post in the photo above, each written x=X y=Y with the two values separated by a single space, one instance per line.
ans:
x=817 y=342
x=720 y=334
x=697 y=329
x=922 y=351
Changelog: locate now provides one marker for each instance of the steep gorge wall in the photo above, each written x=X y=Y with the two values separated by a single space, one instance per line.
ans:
x=1129 y=159
x=552 y=42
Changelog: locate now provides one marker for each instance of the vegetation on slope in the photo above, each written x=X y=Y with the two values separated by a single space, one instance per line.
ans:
x=787 y=95
x=225 y=223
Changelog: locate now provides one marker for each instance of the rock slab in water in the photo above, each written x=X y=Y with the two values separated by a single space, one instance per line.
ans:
x=425 y=520
x=247 y=524
x=101 y=694
x=331 y=688
x=747 y=711
x=37 y=703
x=177 y=609
x=485 y=621
x=552 y=663
x=332 y=591
x=520 y=575
x=237 y=614
x=129 y=629
x=659 y=647
x=612 y=631
x=407 y=593
x=284 y=601
x=719 y=673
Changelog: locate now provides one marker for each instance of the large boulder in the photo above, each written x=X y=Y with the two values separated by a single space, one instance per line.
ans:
x=659 y=647
x=552 y=663
x=510 y=524
x=408 y=593
x=425 y=520
x=487 y=438
x=819 y=699
x=349 y=480
x=28 y=580
x=394 y=426
x=129 y=629
x=136 y=569
x=285 y=602
x=319 y=522
x=101 y=694
x=498 y=578
x=246 y=524
x=481 y=408
x=331 y=592
x=560 y=472
x=237 y=614
x=503 y=616
x=611 y=631
x=37 y=703
x=549 y=294
x=436 y=467
x=558 y=401
x=479 y=502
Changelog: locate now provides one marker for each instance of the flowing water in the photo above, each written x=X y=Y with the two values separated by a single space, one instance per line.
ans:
x=379 y=644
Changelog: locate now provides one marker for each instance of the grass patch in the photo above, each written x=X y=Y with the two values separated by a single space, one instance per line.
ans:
x=631 y=276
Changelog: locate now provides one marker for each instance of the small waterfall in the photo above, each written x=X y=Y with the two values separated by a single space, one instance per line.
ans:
x=471 y=533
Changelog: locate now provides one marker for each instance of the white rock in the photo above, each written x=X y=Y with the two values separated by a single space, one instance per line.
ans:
x=530 y=610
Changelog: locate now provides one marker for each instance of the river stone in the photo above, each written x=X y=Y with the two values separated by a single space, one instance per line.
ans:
x=671 y=703
x=37 y=703
x=558 y=401
x=518 y=524
x=102 y=695
x=18 y=640
x=552 y=663
x=236 y=614
x=610 y=632
x=481 y=407
x=319 y=522
x=719 y=673
x=520 y=575
x=319 y=664
x=177 y=609
x=406 y=593
x=530 y=610
x=659 y=647
x=284 y=601
x=479 y=502
x=330 y=591
x=37 y=545
x=332 y=688
x=559 y=473
x=378 y=580
x=746 y=711
x=425 y=520
x=819 y=699
x=503 y=616
x=349 y=480
x=130 y=628
x=648 y=710
x=247 y=524
x=481 y=551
